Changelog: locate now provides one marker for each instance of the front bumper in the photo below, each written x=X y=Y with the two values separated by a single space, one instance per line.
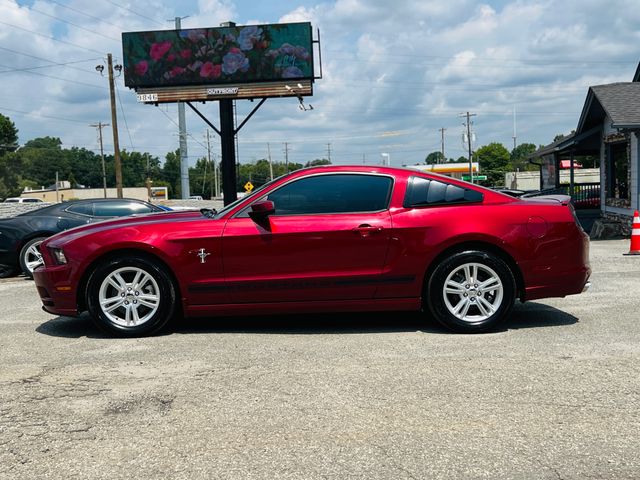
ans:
x=57 y=294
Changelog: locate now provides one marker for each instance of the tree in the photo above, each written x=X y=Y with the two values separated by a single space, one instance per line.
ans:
x=435 y=157
x=10 y=168
x=317 y=162
x=171 y=174
x=42 y=158
x=494 y=162
x=8 y=135
x=136 y=166
x=519 y=157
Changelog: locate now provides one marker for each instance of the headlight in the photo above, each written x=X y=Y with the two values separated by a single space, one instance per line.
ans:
x=58 y=256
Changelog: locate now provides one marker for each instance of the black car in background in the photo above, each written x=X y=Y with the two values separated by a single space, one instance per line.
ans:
x=21 y=236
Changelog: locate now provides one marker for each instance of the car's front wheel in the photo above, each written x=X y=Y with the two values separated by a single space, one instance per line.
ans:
x=471 y=292
x=131 y=296
x=30 y=257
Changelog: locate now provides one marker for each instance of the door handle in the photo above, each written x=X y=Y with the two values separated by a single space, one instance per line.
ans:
x=365 y=229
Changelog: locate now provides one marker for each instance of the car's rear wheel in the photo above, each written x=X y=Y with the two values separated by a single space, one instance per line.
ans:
x=131 y=296
x=30 y=257
x=471 y=292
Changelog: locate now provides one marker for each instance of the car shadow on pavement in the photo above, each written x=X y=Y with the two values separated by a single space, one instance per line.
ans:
x=535 y=315
x=528 y=315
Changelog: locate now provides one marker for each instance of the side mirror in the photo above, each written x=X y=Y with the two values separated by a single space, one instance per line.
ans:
x=261 y=210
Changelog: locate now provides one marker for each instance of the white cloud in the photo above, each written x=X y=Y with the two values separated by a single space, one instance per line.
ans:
x=410 y=66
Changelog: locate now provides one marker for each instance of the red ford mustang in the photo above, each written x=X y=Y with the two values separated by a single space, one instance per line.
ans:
x=325 y=239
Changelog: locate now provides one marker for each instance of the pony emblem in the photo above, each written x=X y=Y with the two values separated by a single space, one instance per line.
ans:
x=202 y=253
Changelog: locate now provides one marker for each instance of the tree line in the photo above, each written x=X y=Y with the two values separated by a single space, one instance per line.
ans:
x=34 y=165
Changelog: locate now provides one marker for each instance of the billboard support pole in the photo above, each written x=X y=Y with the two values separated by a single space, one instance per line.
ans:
x=227 y=143
x=184 y=156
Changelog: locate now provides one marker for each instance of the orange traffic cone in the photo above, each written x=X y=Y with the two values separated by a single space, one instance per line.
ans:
x=635 y=235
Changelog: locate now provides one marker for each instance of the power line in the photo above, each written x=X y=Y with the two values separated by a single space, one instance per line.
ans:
x=176 y=124
x=136 y=13
x=124 y=117
x=87 y=15
x=51 y=62
x=73 y=24
x=49 y=37
x=31 y=114
x=55 y=78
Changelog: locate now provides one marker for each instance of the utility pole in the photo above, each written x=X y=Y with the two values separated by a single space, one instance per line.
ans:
x=329 y=152
x=286 y=156
x=442 y=130
x=468 y=125
x=114 y=122
x=215 y=169
x=270 y=164
x=206 y=162
x=514 y=128
x=99 y=126
x=184 y=156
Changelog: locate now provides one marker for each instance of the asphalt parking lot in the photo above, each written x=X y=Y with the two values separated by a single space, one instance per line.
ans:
x=555 y=395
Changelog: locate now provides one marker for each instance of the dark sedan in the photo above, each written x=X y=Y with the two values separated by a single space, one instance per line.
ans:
x=21 y=236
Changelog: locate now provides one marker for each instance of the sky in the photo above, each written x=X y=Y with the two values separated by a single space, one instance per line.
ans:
x=393 y=74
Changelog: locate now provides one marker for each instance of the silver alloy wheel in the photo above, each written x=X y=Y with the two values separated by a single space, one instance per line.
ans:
x=33 y=257
x=129 y=296
x=473 y=292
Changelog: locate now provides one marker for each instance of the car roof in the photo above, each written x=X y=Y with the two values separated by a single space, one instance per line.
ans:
x=64 y=205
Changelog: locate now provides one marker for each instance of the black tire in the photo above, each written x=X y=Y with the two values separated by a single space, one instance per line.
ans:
x=471 y=305
x=133 y=309
x=29 y=261
x=7 y=271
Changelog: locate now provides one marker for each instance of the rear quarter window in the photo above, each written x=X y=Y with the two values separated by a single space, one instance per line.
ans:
x=423 y=192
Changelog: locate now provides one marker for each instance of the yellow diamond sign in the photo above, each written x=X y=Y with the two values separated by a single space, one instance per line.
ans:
x=248 y=187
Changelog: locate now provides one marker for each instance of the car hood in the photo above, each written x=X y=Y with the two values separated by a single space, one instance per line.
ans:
x=131 y=221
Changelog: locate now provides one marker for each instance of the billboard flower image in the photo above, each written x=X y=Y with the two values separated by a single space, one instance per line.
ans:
x=220 y=55
x=141 y=68
x=159 y=49
x=234 y=61
x=249 y=36
x=209 y=70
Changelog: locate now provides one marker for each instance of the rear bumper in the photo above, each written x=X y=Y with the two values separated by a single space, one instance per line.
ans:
x=565 y=273
x=58 y=296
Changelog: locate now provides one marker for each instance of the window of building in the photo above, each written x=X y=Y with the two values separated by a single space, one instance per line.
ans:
x=617 y=174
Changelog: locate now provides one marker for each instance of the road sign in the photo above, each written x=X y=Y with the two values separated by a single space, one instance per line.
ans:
x=475 y=177
x=248 y=187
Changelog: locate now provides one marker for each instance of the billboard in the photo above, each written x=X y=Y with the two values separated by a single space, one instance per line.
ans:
x=218 y=56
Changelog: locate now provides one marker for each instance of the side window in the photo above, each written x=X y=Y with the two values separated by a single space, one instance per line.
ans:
x=333 y=193
x=423 y=192
x=119 y=209
x=81 y=208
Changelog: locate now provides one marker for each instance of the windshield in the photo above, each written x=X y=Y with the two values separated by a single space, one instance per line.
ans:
x=253 y=194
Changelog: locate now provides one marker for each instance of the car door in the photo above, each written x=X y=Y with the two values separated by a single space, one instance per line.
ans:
x=326 y=240
x=75 y=215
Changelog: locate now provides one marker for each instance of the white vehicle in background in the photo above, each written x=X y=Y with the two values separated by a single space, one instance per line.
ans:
x=22 y=200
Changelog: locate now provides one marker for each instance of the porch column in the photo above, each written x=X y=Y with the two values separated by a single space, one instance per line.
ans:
x=571 y=177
